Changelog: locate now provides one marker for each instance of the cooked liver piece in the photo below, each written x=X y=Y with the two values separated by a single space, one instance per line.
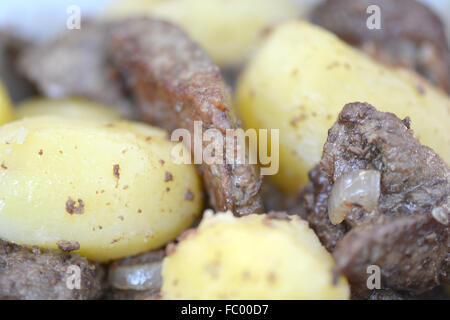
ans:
x=35 y=274
x=175 y=83
x=408 y=235
x=411 y=35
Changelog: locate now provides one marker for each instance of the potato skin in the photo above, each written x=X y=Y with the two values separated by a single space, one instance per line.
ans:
x=252 y=257
x=110 y=187
x=228 y=30
x=6 y=112
x=67 y=108
x=301 y=78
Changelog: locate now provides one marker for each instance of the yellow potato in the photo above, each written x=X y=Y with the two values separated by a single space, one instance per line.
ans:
x=302 y=77
x=67 y=108
x=111 y=187
x=228 y=30
x=6 y=112
x=252 y=257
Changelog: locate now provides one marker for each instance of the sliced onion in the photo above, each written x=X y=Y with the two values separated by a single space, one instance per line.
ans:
x=144 y=276
x=440 y=214
x=357 y=188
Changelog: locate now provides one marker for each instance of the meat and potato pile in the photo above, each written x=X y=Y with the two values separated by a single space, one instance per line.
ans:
x=363 y=184
x=405 y=230
x=301 y=78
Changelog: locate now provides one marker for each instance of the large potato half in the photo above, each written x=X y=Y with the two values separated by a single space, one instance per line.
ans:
x=228 y=30
x=253 y=257
x=110 y=188
x=301 y=78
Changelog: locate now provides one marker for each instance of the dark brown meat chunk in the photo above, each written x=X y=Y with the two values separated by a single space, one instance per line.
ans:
x=11 y=46
x=408 y=235
x=175 y=83
x=31 y=273
x=411 y=35
x=75 y=64
x=409 y=251
x=275 y=200
x=414 y=179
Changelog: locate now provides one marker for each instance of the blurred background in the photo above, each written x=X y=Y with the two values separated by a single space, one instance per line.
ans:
x=46 y=17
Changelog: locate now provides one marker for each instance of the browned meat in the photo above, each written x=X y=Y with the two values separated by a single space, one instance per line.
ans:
x=75 y=64
x=388 y=294
x=10 y=47
x=275 y=200
x=137 y=277
x=407 y=235
x=175 y=83
x=409 y=251
x=411 y=35
x=42 y=274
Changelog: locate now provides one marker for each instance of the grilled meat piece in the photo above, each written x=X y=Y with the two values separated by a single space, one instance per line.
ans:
x=175 y=84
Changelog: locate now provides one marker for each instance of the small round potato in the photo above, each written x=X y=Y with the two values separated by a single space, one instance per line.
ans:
x=6 y=113
x=106 y=191
x=228 y=30
x=67 y=108
x=302 y=77
x=253 y=257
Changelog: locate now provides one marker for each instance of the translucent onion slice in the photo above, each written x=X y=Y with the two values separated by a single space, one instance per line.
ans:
x=441 y=214
x=357 y=188
x=145 y=276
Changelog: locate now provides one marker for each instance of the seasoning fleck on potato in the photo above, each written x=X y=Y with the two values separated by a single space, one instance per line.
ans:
x=94 y=188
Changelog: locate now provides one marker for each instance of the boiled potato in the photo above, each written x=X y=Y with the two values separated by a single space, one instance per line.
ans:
x=228 y=30
x=302 y=77
x=5 y=106
x=68 y=108
x=112 y=189
x=253 y=257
